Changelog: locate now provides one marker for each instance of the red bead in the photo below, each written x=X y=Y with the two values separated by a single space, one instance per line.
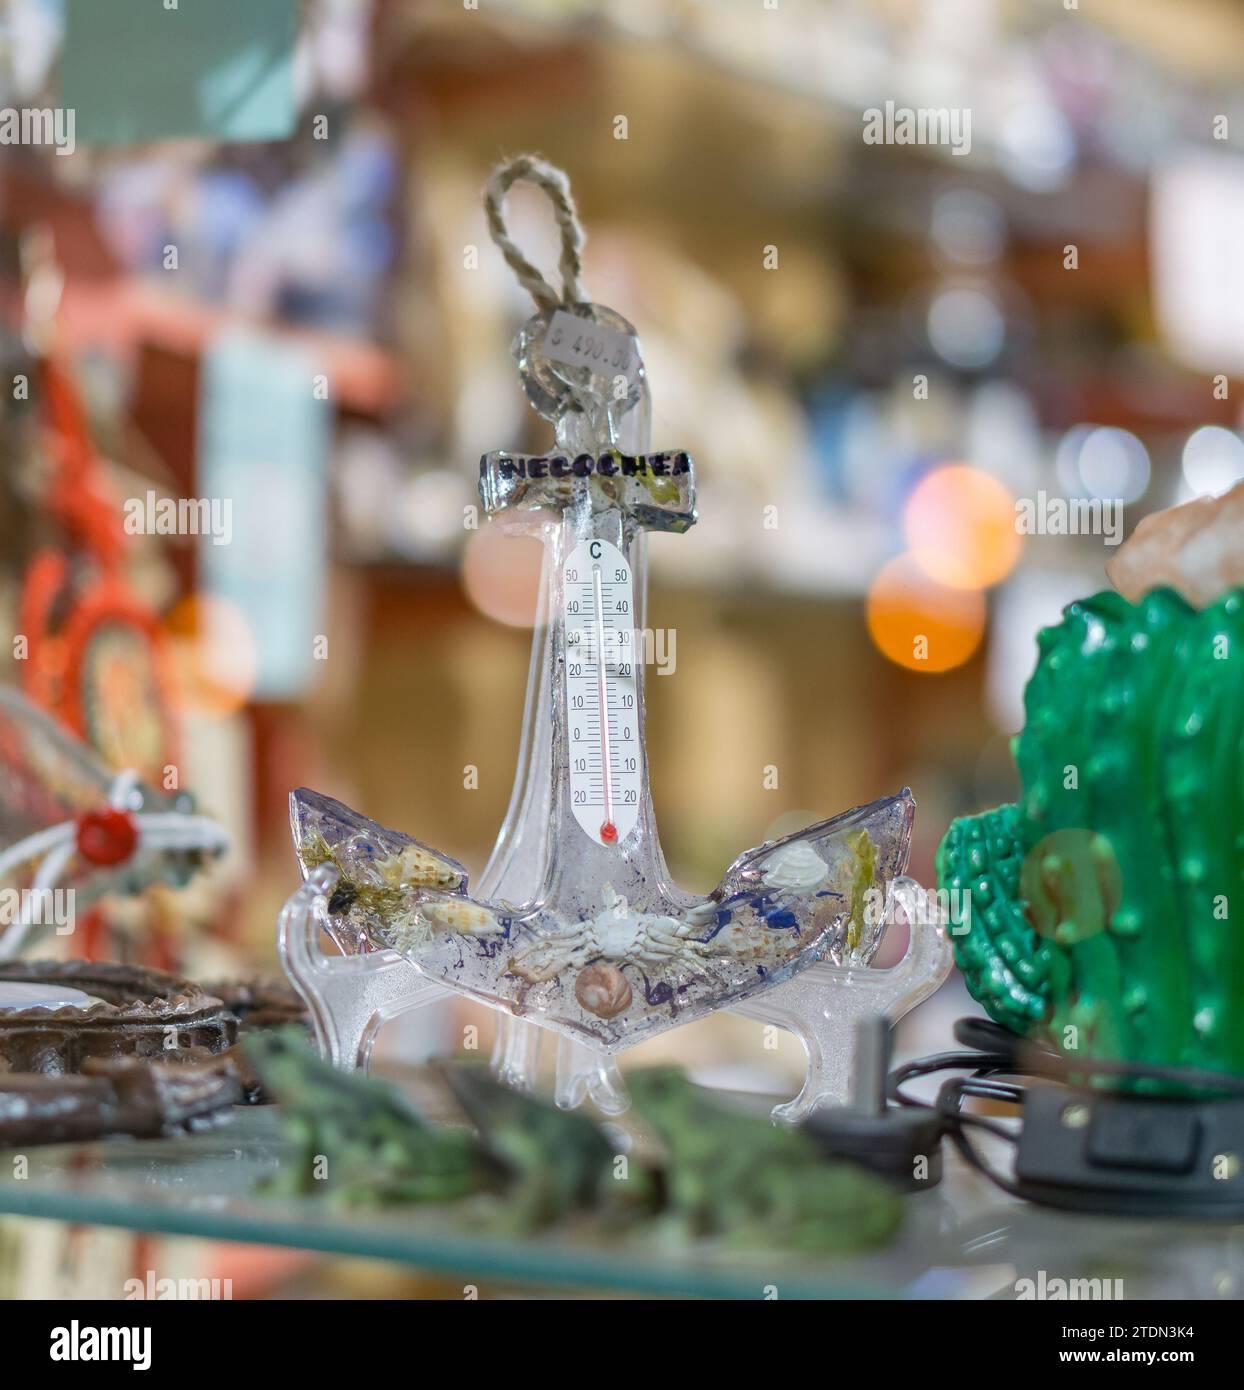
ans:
x=107 y=837
x=609 y=832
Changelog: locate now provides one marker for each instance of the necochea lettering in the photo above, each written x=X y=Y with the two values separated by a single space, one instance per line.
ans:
x=611 y=463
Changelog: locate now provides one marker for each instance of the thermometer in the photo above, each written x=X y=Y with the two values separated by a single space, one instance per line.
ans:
x=602 y=722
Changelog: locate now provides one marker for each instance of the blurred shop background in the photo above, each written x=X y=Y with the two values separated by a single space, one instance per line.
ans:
x=872 y=350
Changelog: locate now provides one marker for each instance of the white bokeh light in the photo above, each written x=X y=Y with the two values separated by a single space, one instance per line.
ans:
x=1113 y=464
x=1213 y=459
x=1102 y=461
x=1067 y=459
x=966 y=327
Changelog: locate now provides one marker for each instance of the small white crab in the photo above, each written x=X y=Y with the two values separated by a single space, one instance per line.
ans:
x=616 y=933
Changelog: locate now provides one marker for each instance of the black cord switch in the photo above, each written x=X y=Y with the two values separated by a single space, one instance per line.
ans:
x=1139 y=1155
x=900 y=1143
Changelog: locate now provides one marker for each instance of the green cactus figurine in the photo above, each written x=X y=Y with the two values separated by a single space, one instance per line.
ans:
x=1101 y=912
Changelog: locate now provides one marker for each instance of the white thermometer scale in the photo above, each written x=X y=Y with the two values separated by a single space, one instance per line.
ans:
x=602 y=722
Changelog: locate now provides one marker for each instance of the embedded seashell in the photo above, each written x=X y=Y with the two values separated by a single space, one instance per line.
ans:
x=416 y=868
x=603 y=990
x=466 y=917
x=702 y=913
x=795 y=867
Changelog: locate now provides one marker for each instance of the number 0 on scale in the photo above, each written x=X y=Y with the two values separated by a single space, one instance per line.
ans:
x=602 y=723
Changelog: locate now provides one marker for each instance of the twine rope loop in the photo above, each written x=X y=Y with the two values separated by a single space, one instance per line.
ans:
x=552 y=181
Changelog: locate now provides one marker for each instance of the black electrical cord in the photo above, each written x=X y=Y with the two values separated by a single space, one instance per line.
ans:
x=994 y=1053
x=949 y=1105
x=1038 y=1059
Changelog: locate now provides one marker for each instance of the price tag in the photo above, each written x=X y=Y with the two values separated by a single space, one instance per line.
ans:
x=580 y=343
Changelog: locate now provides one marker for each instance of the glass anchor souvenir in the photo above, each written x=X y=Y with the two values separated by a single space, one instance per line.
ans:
x=576 y=927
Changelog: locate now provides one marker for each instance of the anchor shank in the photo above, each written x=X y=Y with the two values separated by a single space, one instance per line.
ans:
x=570 y=501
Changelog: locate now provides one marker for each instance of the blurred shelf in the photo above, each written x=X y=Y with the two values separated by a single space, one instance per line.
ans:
x=364 y=378
x=105 y=308
x=828 y=64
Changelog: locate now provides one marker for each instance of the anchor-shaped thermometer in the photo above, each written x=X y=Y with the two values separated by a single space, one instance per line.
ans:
x=577 y=926
x=601 y=944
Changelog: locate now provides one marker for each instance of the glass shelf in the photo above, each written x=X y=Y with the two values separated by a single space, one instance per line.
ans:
x=963 y=1240
x=203 y=1185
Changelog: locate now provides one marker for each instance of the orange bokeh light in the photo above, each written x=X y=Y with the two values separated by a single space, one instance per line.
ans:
x=501 y=575
x=960 y=527
x=921 y=624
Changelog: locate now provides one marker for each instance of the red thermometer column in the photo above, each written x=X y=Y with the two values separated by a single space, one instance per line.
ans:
x=601 y=719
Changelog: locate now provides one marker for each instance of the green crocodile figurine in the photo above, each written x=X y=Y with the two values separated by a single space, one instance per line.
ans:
x=557 y=1161
x=1100 y=912
x=722 y=1174
x=356 y=1139
x=734 y=1175
x=361 y=1142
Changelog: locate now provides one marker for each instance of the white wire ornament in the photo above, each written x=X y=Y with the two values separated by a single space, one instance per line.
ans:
x=68 y=824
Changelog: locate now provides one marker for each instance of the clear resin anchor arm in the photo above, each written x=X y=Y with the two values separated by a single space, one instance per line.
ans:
x=823 y=1005
x=349 y=997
